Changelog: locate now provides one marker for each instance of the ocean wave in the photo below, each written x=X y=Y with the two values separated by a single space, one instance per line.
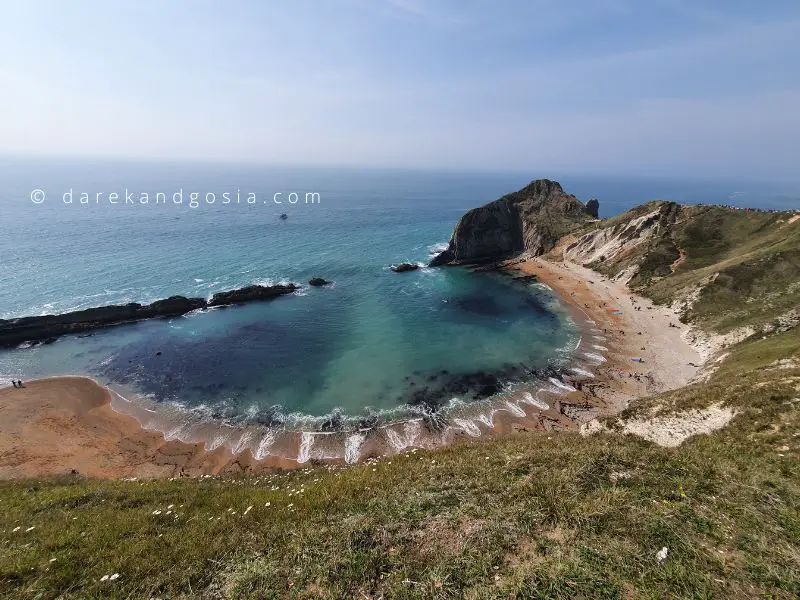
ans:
x=435 y=249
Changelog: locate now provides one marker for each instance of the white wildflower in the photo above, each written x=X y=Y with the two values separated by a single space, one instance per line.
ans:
x=661 y=555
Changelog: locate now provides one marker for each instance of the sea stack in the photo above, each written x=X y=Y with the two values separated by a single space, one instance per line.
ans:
x=532 y=219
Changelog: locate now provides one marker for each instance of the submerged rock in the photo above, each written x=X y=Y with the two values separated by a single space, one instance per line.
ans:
x=403 y=267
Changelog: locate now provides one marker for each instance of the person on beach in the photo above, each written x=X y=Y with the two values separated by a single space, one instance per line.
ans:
x=14 y=383
x=19 y=384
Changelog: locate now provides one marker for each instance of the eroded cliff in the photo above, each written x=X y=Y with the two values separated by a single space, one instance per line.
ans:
x=531 y=220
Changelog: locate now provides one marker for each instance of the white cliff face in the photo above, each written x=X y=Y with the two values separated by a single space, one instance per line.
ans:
x=610 y=243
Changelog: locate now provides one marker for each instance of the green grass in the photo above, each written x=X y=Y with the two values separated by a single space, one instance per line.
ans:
x=753 y=259
x=528 y=516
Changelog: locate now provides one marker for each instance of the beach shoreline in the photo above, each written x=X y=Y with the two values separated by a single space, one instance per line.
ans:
x=61 y=425
x=66 y=425
x=645 y=345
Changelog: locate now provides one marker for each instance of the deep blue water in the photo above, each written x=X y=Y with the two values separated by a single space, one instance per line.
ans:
x=374 y=339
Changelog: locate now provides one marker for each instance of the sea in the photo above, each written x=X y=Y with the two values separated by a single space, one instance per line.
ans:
x=374 y=349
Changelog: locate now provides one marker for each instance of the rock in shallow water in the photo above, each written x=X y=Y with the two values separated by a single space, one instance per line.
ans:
x=49 y=327
x=403 y=267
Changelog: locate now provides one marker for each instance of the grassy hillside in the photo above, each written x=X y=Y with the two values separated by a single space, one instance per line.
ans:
x=556 y=516
x=748 y=263
x=528 y=516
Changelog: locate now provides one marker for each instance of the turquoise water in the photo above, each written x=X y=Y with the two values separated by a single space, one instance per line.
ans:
x=374 y=347
x=375 y=343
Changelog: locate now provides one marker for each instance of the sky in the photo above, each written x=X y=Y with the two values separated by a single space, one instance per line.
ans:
x=689 y=88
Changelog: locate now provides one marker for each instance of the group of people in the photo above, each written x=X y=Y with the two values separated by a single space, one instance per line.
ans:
x=17 y=383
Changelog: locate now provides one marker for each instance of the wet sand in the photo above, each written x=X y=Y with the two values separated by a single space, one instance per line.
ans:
x=52 y=426
x=55 y=425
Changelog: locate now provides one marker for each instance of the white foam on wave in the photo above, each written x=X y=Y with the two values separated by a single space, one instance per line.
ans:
x=306 y=442
x=600 y=338
x=599 y=347
x=217 y=440
x=174 y=433
x=265 y=282
x=243 y=443
x=581 y=371
x=487 y=419
x=561 y=385
x=515 y=409
x=264 y=445
x=438 y=248
x=529 y=398
x=352 y=447
x=596 y=358
x=468 y=426
x=410 y=433
x=395 y=441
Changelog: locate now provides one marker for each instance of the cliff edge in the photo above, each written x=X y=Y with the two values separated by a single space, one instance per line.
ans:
x=531 y=220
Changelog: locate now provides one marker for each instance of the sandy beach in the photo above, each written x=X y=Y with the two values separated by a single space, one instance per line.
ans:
x=52 y=426
x=645 y=344
x=57 y=425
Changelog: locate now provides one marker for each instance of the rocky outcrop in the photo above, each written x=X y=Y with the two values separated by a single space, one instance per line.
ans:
x=47 y=328
x=531 y=220
x=318 y=281
x=634 y=247
x=403 y=267
x=593 y=208
x=639 y=227
x=252 y=293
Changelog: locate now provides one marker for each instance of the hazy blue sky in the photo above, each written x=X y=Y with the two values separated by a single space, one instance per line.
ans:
x=684 y=87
